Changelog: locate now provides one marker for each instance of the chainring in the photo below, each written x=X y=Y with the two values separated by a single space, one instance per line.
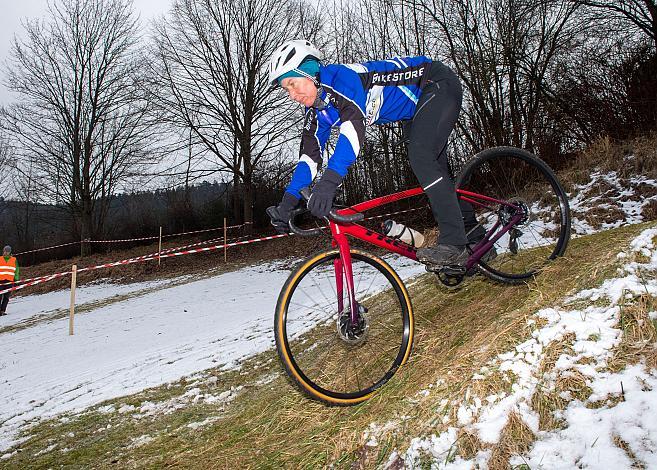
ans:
x=451 y=277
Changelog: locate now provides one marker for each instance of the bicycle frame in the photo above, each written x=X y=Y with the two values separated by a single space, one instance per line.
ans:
x=343 y=266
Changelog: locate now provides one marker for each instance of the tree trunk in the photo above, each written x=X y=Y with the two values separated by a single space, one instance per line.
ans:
x=247 y=201
x=235 y=197
x=86 y=228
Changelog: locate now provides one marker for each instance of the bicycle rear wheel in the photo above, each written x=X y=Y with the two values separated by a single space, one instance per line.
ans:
x=519 y=177
x=325 y=355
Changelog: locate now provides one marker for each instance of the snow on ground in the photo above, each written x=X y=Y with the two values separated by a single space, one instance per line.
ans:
x=31 y=306
x=605 y=202
x=621 y=408
x=158 y=335
x=620 y=201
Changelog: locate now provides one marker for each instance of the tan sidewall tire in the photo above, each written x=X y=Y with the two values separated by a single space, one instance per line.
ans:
x=281 y=313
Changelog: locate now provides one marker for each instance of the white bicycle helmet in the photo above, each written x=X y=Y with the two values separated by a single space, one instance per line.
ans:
x=289 y=56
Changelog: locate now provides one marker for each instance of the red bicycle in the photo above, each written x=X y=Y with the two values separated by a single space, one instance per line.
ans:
x=344 y=319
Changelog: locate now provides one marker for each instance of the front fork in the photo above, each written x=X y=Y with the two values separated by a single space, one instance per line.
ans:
x=343 y=272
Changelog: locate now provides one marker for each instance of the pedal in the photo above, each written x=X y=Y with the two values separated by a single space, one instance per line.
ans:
x=454 y=270
x=448 y=270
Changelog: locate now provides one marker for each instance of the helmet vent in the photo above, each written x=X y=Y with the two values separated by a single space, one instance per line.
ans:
x=289 y=56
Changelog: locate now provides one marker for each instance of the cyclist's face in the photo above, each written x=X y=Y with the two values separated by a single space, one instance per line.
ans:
x=301 y=89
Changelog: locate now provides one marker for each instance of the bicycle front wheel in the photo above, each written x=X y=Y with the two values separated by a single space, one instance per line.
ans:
x=518 y=177
x=330 y=357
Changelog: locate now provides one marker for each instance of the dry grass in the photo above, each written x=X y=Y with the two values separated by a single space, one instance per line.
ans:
x=516 y=438
x=636 y=157
x=645 y=153
x=637 y=325
x=546 y=403
x=554 y=351
x=639 y=334
x=573 y=383
x=645 y=191
x=468 y=443
x=275 y=426
x=650 y=210
x=597 y=216
x=621 y=444
x=552 y=397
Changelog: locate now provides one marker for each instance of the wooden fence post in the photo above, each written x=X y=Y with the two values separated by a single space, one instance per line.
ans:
x=159 y=249
x=225 y=248
x=71 y=314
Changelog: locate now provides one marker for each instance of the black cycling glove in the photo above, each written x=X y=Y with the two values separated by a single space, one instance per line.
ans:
x=280 y=215
x=321 y=199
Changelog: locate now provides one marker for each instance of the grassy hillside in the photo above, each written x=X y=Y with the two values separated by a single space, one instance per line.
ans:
x=254 y=417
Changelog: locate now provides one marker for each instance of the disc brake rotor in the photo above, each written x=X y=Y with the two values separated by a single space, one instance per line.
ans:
x=522 y=204
x=350 y=332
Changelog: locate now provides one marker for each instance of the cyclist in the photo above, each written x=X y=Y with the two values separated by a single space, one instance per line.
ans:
x=421 y=91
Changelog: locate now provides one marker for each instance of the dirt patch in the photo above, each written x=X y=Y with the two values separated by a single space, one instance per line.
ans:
x=597 y=216
x=650 y=210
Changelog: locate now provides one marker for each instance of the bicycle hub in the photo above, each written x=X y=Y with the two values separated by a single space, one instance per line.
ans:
x=353 y=333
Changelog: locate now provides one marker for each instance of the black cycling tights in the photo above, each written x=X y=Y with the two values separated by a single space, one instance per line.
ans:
x=435 y=117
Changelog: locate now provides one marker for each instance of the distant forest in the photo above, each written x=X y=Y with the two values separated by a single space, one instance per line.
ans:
x=27 y=226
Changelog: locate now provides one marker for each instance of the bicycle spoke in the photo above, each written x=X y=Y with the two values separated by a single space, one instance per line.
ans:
x=518 y=177
x=343 y=358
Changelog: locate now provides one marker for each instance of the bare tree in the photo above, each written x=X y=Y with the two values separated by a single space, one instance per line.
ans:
x=26 y=190
x=376 y=30
x=642 y=14
x=82 y=119
x=210 y=57
x=5 y=167
x=504 y=52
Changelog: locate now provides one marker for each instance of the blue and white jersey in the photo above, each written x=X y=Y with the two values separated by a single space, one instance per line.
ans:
x=356 y=95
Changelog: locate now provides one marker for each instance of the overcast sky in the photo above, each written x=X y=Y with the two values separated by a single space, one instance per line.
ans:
x=13 y=12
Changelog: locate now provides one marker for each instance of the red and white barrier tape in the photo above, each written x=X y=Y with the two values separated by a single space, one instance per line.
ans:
x=395 y=213
x=171 y=252
x=46 y=248
x=140 y=259
x=150 y=255
x=166 y=236
x=207 y=230
x=133 y=239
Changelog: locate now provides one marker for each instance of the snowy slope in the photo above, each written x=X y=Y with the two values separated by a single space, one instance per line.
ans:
x=42 y=305
x=146 y=334
x=159 y=335
x=622 y=407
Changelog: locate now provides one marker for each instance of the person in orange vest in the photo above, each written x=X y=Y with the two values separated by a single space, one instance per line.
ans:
x=9 y=273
